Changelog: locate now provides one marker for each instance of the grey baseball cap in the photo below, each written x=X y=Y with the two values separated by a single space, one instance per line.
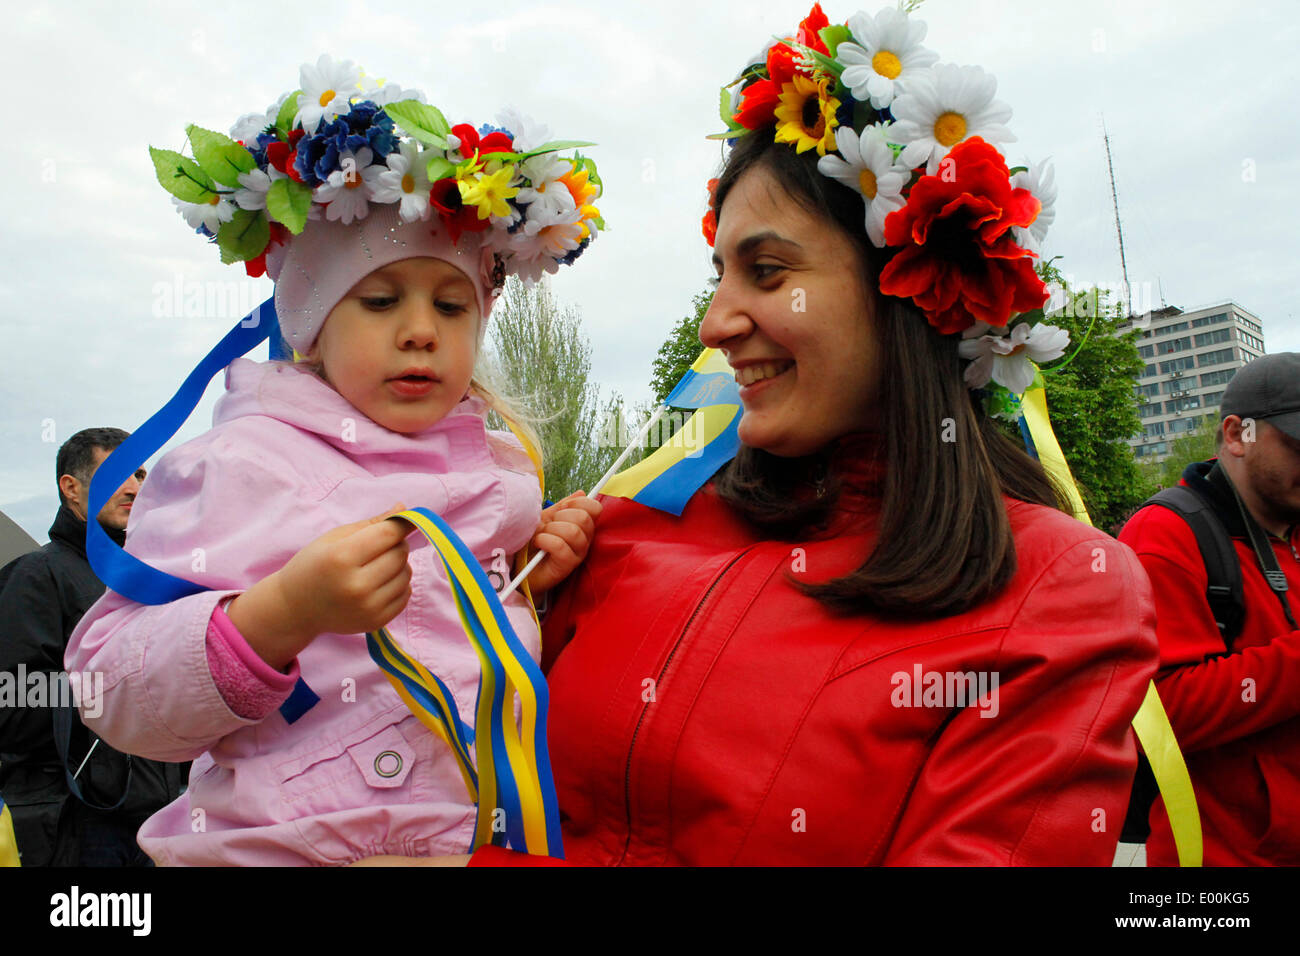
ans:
x=1268 y=389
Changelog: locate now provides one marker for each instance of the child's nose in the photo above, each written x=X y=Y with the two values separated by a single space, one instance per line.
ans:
x=419 y=325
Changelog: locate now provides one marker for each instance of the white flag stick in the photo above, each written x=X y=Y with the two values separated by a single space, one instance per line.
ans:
x=613 y=469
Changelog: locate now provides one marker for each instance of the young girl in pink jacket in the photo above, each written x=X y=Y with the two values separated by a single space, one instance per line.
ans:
x=387 y=250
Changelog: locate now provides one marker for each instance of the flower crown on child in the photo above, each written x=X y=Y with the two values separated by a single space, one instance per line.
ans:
x=915 y=139
x=345 y=175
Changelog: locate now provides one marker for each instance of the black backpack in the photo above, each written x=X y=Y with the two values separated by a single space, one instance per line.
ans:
x=1225 y=593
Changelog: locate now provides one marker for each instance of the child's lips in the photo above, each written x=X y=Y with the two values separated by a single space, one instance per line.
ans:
x=412 y=386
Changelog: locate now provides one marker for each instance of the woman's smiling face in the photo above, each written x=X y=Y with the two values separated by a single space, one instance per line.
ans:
x=792 y=316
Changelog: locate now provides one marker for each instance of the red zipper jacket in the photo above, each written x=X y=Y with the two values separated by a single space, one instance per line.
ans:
x=704 y=711
x=1236 y=715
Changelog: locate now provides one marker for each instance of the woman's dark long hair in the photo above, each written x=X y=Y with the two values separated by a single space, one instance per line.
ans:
x=944 y=541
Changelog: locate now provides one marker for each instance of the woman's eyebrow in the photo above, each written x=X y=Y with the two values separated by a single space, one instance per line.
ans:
x=749 y=243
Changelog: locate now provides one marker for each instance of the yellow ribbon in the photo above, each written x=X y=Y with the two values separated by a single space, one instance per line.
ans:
x=1151 y=723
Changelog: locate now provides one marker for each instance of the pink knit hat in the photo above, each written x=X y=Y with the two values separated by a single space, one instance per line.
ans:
x=318 y=267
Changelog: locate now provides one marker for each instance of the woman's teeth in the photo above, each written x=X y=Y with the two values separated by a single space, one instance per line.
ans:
x=756 y=373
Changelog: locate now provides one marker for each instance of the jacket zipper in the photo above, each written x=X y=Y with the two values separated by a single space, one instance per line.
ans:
x=627 y=776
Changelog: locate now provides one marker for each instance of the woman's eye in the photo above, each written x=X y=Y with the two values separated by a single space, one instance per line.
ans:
x=713 y=282
x=763 y=271
x=450 y=308
x=378 y=302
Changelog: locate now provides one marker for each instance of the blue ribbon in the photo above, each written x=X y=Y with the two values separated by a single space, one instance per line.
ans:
x=124 y=572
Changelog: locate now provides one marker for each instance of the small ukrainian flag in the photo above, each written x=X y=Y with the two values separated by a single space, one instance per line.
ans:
x=8 y=842
x=709 y=439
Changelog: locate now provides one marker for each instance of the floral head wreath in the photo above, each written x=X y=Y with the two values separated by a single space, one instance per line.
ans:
x=915 y=138
x=342 y=143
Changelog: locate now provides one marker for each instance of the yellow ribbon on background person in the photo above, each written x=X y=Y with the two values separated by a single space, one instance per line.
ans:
x=8 y=842
x=1151 y=724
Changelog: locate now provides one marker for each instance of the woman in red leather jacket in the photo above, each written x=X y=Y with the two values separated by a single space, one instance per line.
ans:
x=874 y=637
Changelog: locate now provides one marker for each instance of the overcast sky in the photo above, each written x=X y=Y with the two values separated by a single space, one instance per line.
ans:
x=1198 y=97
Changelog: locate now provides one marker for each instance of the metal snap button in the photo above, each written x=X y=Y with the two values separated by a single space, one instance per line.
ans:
x=388 y=764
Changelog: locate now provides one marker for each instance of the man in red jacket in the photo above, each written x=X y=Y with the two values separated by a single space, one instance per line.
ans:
x=1235 y=704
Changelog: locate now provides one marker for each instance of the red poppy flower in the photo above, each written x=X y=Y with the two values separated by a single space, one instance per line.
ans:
x=468 y=137
x=256 y=267
x=758 y=104
x=495 y=142
x=445 y=197
x=810 y=29
x=959 y=261
x=710 y=223
x=277 y=154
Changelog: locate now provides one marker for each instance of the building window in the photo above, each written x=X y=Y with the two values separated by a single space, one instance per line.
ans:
x=1211 y=398
x=1216 y=358
x=1182 y=404
x=1209 y=320
x=1181 y=364
x=1147 y=351
x=1176 y=345
x=1148 y=391
x=1155 y=428
x=1148 y=371
x=1176 y=327
x=1218 y=378
x=1146 y=411
x=1214 y=338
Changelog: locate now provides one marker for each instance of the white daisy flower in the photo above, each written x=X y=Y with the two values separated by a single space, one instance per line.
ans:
x=868 y=167
x=1006 y=359
x=327 y=91
x=349 y=190
x=943 y=106
x=406 y=181
x=887 y=52
x=248 y=126
x=206 y=215
x=1040 y=180
x=254 y=185
x=547 y=195
x=527 y=132
x=543 y=240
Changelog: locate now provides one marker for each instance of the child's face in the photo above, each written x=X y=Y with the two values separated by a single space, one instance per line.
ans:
x=400 y=346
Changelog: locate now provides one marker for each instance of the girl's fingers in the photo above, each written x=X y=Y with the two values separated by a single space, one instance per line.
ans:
x=557 y=548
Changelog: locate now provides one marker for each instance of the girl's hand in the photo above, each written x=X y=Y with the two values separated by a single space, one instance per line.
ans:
x=565 y=534
x=349 y=580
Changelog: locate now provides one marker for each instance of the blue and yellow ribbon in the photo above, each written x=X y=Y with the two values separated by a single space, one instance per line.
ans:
x=511 y=772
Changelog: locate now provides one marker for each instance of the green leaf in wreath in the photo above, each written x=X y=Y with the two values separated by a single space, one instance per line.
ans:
x=245 y=236
x=834 y=35
x=181 y=176
x=556 y=146
x=288 y=202
x=219 y=156
x=288 y=110
x=440 y=168
x=422 y=121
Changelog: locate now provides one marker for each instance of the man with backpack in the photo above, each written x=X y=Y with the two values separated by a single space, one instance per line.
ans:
x=1223 y=554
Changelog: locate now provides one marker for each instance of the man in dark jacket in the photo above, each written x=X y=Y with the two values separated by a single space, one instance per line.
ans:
x=1234 y=703
x=42 y=597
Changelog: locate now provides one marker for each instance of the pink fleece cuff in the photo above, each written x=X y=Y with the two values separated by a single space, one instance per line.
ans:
x=250 y=686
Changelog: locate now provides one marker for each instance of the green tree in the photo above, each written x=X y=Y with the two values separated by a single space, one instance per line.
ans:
x=1093 y=405
x=1196 y=445
x=541 y=359
x=680 y=349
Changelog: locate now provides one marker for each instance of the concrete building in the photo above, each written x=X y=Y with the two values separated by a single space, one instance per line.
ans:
x=1190 y=356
